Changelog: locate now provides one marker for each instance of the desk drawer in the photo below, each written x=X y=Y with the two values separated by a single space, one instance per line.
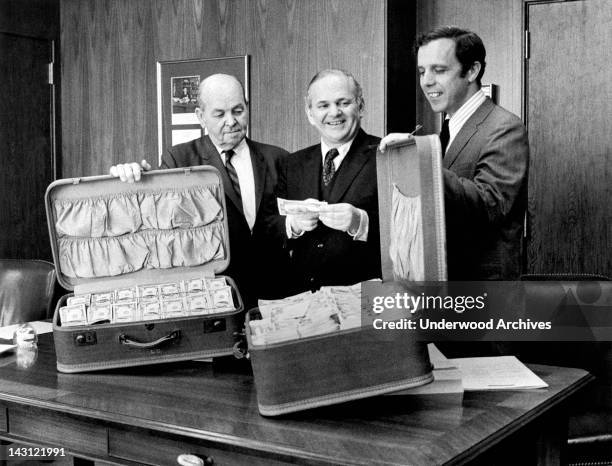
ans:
x=146 y=447
x=51 y=428
x=3 y=419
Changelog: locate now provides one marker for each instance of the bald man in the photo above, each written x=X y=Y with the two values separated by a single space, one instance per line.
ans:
x=248 y=170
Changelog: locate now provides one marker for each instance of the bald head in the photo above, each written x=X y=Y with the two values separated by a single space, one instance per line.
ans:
x=224 y=84
x=223 y=110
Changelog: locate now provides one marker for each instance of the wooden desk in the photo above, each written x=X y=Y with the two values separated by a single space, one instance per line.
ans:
x=150 y=415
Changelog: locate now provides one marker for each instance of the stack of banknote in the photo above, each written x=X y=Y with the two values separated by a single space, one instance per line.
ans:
x=196 y=296
x=331 y=309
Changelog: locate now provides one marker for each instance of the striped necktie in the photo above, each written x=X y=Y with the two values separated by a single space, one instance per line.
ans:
x=231 y=170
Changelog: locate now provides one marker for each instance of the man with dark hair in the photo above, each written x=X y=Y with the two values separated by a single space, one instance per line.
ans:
x=485 y=162
x=338 y=244
x=248 y=170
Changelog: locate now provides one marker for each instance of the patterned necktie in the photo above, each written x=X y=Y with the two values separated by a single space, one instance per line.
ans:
x=328 y=166
x=444 y=136
x=231 y=171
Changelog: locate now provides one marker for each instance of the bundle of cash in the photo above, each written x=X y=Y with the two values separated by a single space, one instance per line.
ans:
x=307 y=314
x=73 y=315
x=196 y=296
x=348 y=303
x=286 y=207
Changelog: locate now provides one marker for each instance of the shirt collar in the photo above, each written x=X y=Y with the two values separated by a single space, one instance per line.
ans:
x=468 y=107
x=239 y=149
x=342 y=150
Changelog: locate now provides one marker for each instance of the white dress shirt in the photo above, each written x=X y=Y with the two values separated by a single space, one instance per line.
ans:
x=456 y=122
x=241 y=161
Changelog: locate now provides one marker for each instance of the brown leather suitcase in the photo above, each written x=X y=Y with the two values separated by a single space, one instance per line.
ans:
x=108 y=235
x=333 y=368
x=362 y=362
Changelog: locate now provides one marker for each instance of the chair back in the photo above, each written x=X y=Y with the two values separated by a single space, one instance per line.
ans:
x=26 y=290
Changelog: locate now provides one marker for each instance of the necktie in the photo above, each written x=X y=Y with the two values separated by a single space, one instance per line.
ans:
x=444 y=136
x=328 y=166
x=231 y=171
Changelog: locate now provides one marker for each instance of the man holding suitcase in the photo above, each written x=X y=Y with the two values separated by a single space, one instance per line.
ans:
x=248 y=170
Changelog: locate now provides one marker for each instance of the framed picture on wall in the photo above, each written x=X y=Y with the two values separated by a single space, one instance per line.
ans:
x=178 y=83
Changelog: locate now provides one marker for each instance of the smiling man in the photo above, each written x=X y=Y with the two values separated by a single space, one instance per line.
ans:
x=485 y=162
x=248 y=170
x=339 y=244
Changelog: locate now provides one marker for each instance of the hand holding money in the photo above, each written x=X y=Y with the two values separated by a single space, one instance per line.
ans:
x=301 y=215
x=343 y=217
x=302 y=222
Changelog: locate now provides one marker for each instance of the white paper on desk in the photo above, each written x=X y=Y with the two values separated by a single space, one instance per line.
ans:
x=437 y=359
x=40 y=327
x=496 y=373
x=5 y=348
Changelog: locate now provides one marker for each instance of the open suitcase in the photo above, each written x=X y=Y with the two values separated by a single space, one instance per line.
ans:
x=166 y=234
x=361 y=362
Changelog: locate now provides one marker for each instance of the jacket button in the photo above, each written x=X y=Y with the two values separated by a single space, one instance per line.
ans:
x=311 y=279
x=320 y=245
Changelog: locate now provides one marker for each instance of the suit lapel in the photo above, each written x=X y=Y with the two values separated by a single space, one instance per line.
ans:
x=355 y=159
x=466 y=132
x=309 y=185
x=259 y=173
x=210 y=156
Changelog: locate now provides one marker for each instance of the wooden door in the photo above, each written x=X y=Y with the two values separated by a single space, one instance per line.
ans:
x=26 y=152
x=568 y=112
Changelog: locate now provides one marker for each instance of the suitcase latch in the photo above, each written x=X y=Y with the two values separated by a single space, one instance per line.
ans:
x=85 y=338
x=214 y=325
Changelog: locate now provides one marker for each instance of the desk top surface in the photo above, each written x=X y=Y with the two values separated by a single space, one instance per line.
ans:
x=216 y=401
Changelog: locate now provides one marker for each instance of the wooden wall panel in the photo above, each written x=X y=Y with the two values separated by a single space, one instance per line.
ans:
x=291 y=40
x=110 y=48
x=499 y=25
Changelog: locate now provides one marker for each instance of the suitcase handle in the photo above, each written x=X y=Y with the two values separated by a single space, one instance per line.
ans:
x=126 y=340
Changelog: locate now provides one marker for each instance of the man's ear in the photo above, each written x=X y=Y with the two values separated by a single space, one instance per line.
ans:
x=473 y=71
x=309 y=115
x=200 y=116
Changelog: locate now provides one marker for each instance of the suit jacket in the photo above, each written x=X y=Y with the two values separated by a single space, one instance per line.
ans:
x=251 y=259
x=325 y=256
x=485 y=190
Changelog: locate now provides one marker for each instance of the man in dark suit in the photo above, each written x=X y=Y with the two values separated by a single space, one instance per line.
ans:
x=485 y=152
x=248 y=170
x=338 y=245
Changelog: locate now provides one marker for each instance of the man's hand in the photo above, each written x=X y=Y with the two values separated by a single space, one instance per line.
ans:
x=394 y=138
x=343 y=217
x=129 y=172
x=302 y=222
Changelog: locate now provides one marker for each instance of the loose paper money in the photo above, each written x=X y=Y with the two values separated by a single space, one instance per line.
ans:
x=286 y=207
x=307 y=314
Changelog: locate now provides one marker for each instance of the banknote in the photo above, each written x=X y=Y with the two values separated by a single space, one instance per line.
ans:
x=290 y=207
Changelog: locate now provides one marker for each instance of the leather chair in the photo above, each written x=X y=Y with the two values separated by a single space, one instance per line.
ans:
x=590 y=423
x=27 y=289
